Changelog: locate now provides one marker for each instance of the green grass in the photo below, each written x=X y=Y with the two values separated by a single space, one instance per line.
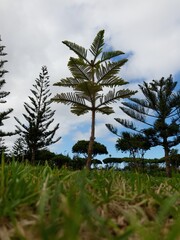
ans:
x=51 y=204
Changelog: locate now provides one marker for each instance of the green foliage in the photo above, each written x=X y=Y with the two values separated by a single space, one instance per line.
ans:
x=89 y=78
x=4 y=114
x=161 y=103
x=135 y=144
x=59 y=160
x=151 y=166
x=77 y=163
x=174 y=160
x=95 y=162
x=19 y=149
x=44 y=155
x=39 y=117
x=3 y=148
x=81 y=147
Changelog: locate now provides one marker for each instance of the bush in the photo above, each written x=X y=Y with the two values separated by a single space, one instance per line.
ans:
x=43 y=156
x=59 y=161
x=77 y=163
x=175 y=161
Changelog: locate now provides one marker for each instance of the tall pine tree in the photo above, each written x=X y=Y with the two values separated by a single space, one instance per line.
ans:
x=3 y=114
x=160 y=111
x=39 y=117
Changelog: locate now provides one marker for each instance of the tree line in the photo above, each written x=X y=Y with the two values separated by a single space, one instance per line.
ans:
x=95 y=85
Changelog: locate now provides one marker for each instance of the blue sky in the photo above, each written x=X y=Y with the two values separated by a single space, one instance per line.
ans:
x=33 y=31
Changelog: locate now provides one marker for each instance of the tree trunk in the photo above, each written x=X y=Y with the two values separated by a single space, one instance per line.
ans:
x=91 y=142
x=33 y=153
x=168 y=167
x=168 y=163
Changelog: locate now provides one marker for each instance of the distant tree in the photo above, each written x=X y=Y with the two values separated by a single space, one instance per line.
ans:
x=96 y=163
x=81 y=147
x=39 y=117
x=162 y=107
x=4 y=114
x=173 y=152
x=19 y=149
x=3 y=148
x=60 y=160
x=135 y=144
x=89 y=78
x=174 y=158
x=77 y=163
x=45 y=155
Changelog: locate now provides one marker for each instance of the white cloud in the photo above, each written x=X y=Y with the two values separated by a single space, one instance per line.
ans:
x=33 y=32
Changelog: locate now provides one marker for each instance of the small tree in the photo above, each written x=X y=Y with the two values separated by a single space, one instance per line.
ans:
x=89 y=78
x=39 y=117
x=4 y=114
x=19 y=149
x=135 y=144
x=162 y=107
x=44 y=156
x=81 y=147
x=3 y=148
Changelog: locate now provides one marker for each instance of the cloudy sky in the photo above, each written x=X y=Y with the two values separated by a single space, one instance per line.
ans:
x=33 y=31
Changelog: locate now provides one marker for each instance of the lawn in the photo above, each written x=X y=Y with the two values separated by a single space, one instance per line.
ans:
x=37 y=202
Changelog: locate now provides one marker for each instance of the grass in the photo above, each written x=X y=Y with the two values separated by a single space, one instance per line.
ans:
x=51 y=204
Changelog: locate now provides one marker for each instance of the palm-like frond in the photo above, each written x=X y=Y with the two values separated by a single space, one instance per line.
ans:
x=109 y=70
x=113 y=96
x=88 y=89
x=68 y=82
x=78 y=69
x=80 y=51
x=97 y=45
x=69 y=98
x=79 y=109
x=113 y=82
x=105 y=110
x=108 y=55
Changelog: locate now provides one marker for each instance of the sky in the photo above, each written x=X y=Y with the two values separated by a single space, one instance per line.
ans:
x=33 y=31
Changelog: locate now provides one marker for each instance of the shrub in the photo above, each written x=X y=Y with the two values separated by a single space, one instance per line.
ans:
x=59 y=161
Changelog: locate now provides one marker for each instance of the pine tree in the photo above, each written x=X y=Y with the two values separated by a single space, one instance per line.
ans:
x=3 y=148
x=89 y=79
x=39 y=117
x=19 y=149
x=160 y=111
x=4 y=114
